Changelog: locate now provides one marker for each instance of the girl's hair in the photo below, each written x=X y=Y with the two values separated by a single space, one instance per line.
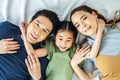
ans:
x=52 y=16
x=67 y=25
x=87 y=9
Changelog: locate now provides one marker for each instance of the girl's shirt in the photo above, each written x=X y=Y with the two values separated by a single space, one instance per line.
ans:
x=59 y=67
x=110 y=44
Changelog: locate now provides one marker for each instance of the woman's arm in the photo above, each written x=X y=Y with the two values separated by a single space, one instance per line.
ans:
x=81 y=74
x=96 y=45
x=39 y=52
x=8 y=46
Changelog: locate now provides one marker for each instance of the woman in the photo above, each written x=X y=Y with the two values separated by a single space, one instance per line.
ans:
x=86 y=20
x=12 y=56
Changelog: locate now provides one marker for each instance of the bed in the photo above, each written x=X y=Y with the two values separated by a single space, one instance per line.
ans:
x=19 y=10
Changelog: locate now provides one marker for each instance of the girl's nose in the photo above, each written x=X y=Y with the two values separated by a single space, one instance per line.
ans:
x=63 y=43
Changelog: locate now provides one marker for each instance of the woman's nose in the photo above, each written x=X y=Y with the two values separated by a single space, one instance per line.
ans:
x=84 y=25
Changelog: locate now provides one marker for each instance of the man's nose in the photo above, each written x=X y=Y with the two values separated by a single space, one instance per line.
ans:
x=38 y=32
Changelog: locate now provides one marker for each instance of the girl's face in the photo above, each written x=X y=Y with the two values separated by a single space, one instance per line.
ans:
x=64 y=40
x=85 y=22
x=39 y=29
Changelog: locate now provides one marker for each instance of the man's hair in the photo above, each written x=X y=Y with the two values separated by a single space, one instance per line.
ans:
x=52 y=16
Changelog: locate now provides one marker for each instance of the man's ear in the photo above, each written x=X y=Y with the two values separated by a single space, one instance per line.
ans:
x=93 y=13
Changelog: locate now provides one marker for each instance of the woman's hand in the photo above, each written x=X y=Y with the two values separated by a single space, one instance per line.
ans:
x=33 y=66
x=101 y=25
x=8 y=46
x=80 y=55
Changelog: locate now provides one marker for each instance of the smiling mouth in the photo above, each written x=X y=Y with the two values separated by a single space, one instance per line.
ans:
x=33 y=36
x=63 y=47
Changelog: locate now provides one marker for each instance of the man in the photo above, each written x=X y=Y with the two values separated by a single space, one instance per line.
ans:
x=12 y=50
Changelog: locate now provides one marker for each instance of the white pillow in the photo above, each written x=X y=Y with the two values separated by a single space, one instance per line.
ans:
x=106 y=7
x=18 y=10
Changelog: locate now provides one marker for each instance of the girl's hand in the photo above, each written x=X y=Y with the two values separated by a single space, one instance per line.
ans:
x=23 y=29
x=80 y=55
x=33 y=66
x=8 y=46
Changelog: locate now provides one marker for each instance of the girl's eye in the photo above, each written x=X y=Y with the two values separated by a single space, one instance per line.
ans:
x=68 y=40
x=60 y=39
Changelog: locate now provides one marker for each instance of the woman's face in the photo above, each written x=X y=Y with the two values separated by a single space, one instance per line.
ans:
x=64 y=40
x=39 y=29
x=85 y=22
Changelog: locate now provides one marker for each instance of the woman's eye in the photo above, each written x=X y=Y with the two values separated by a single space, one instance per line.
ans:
x=77 y=26
x=84 y=18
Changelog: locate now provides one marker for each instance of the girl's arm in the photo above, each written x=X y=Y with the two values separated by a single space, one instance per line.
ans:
x=78 y=58
x=96 y=45
x=33 y=66
x=39 y=52
x=8 y=46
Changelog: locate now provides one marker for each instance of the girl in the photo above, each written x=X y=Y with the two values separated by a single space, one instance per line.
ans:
x=88 y=21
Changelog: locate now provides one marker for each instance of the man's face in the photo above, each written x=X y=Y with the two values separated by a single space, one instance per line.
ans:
x=39 y=29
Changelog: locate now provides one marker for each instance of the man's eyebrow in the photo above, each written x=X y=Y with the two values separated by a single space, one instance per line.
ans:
x=41 y=24
x=82 y=16
x=38 y=21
